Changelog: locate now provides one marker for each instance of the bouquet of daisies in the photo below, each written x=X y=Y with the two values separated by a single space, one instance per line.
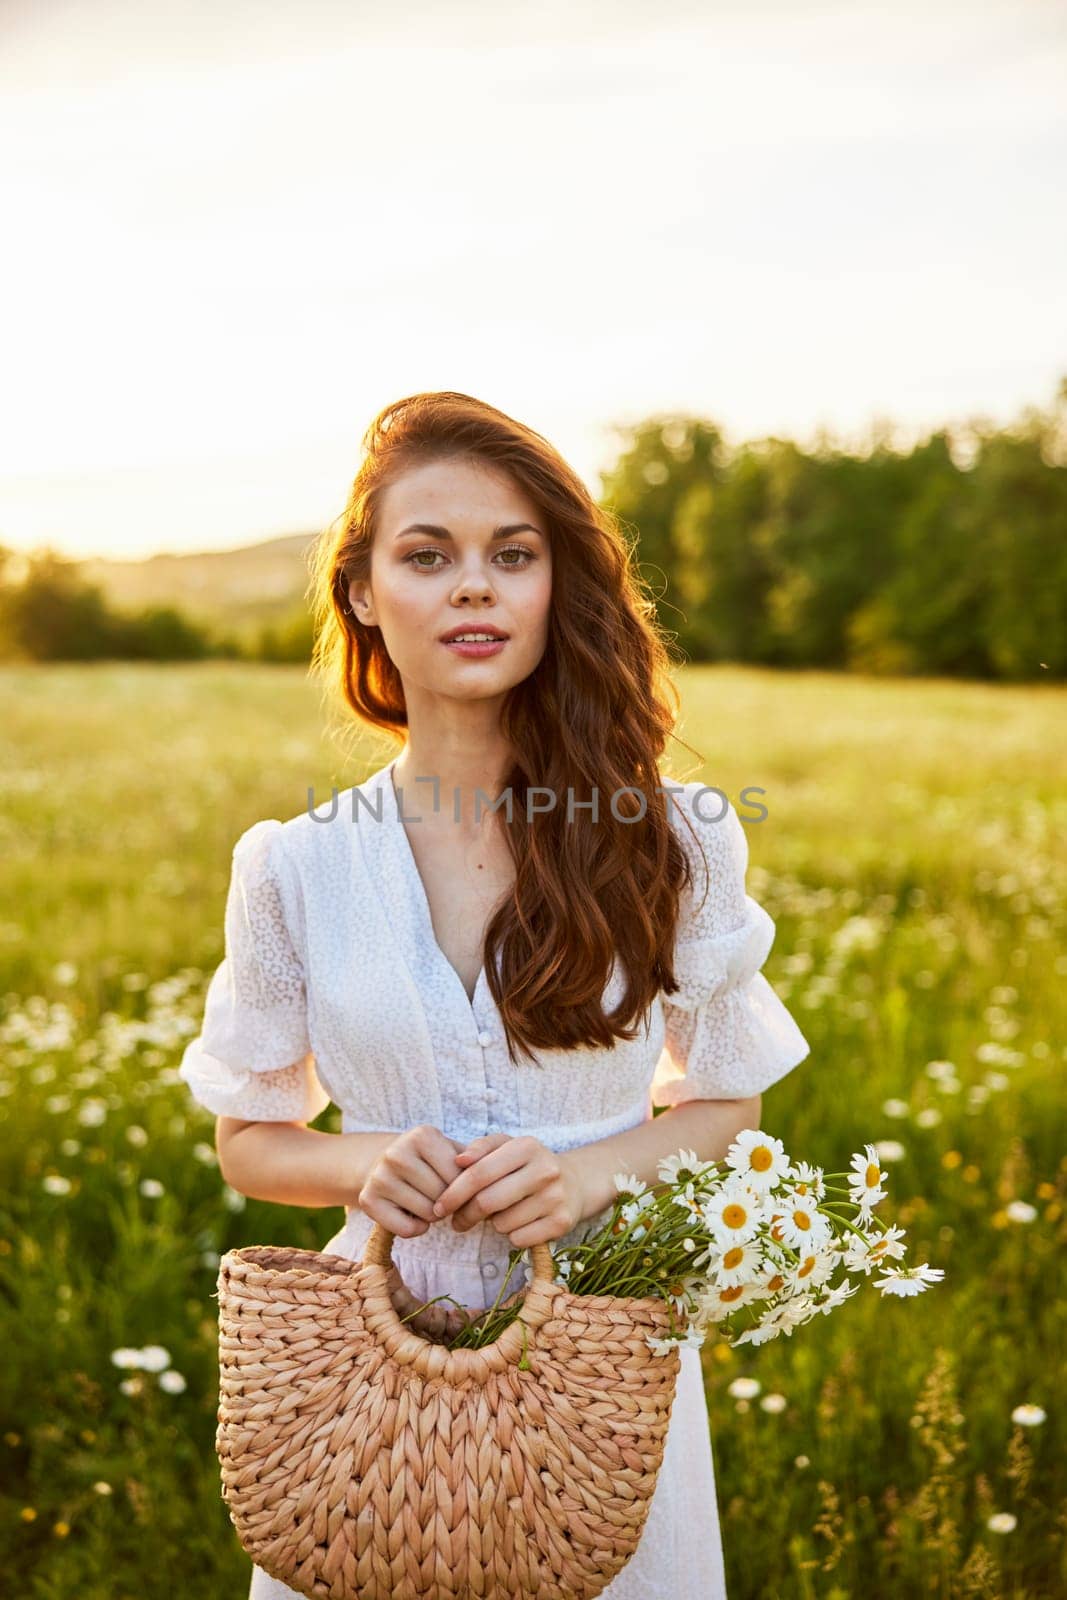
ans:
x=750 y=1245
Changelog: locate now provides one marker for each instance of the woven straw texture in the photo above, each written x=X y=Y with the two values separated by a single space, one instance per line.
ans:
x=362 y=1459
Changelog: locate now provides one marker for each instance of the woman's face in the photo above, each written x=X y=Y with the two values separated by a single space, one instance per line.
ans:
x=458 y=545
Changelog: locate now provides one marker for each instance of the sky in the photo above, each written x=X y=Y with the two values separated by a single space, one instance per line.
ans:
x=237 y=230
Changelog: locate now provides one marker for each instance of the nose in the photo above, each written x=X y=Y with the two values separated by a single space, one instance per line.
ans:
x=473 y=587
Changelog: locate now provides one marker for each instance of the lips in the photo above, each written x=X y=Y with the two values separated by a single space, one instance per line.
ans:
x=481 y=627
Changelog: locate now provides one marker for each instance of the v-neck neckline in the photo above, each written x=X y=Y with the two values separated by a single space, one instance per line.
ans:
x=422 y=899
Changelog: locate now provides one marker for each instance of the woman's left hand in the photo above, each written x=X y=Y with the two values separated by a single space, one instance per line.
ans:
x=529 y=1192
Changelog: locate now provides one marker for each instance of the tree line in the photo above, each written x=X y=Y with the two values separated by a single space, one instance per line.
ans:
x=946 y=557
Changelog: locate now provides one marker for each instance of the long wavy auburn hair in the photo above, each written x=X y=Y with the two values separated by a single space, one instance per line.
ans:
x=596 y=713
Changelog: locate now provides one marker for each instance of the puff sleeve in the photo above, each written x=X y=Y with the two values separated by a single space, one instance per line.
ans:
x=252 y=1058
x=727 y=1033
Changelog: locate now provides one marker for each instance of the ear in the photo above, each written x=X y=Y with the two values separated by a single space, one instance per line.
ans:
x=359 y=598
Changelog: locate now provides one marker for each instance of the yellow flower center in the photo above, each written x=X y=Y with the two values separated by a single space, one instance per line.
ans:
x=760 y=1158
x=806 y=1266
x=729 y=1295
x=775 y=1283
x=734 y=1257
x=735 y=1215
x=873 y=1176
x=801 y=1219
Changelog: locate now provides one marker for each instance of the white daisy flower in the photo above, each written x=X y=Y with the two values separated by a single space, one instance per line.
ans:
x=1028 y=1415
x=909 y=1280
x=738 y=1263
x=660 y=1347
x=680 y=1167
x=760 y=1334
x=774 y=1403
x=1020 y=1211
x=812 y=1269
x=836 y=1296
x=715 y=1304
x=1002 y=1522
x=865 y=1177
x=744 y=1388
x=759 y=1158
x=798 y=1222
x=151 y=1188
x=891 y=1243
x=172 y=1382
x=807 y=1179
x=629 y=1185
x=733 y=1213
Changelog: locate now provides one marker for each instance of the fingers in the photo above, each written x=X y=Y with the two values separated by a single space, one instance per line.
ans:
x=479 y=1189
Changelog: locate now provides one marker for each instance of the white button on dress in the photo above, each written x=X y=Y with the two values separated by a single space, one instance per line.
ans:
x=333 y=987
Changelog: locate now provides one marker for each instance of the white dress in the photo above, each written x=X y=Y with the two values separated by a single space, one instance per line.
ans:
x=334 y=988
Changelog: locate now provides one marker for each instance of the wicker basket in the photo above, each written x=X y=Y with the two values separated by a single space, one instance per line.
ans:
x=362 y=1460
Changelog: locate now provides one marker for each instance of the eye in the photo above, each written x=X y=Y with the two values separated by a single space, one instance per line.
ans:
x=508 y=550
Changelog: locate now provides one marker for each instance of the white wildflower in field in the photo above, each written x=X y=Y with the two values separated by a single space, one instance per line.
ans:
x=70 y=1147
x=154 y=1358
x=889 y=1150
x=65 y=973
x=125 y=1356
x=55 y=1183
x=91 y=1113
x=132 y=1386
x=895 y=1108
x=151 y=1188
x=205 y=1154
x=136 y=1135
x=1002 y=1522
x=774 y=1403
x=1028 y=1415
x=758 y=1158
x=1020 y=1211
x=172 y=1382
x=233 y=1199
x=744 y=1388
x=928 y=1117
x=56 y=1104
x=101 y=1486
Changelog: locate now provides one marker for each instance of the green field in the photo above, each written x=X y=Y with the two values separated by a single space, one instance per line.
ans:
x=914 y=860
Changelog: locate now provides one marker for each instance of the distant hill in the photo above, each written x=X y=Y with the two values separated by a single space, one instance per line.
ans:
x=253 y=584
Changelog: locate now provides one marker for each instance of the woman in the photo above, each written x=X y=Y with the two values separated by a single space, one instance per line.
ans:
x=494 y=1000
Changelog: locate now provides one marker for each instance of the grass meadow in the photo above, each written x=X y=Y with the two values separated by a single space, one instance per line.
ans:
x=914 y=859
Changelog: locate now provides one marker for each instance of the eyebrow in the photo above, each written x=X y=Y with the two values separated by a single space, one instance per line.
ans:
x=437 y=532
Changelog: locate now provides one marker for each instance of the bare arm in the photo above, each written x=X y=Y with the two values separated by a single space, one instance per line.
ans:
x=707 y=1126
x=293 y=1164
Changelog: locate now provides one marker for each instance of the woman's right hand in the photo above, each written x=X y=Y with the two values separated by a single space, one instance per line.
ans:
x=405 y=1179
